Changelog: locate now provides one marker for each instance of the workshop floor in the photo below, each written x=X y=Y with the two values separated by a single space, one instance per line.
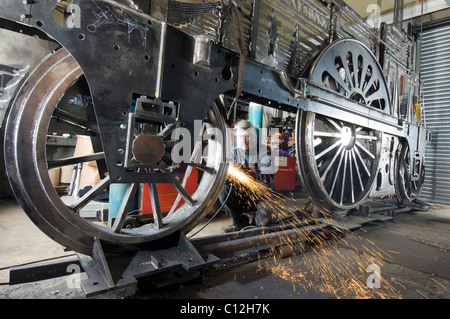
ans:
x=410 y=253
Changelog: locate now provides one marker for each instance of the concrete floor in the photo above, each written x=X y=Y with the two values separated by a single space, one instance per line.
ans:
x=411 y=253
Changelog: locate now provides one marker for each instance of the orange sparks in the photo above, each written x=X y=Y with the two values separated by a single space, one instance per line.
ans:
x=438 y=283
x=325 y=268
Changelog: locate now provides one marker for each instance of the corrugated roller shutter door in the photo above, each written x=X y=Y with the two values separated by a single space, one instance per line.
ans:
x=435 y=60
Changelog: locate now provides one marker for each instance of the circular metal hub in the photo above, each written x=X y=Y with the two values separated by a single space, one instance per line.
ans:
x=148 y=149
x=348 y=136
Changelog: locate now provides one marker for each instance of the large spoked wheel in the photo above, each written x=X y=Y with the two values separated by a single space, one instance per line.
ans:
x=44 y=107
x=338 y=160
x=406 y=188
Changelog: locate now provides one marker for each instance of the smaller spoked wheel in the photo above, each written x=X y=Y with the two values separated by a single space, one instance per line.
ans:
x=338 y=160
x=407 y=188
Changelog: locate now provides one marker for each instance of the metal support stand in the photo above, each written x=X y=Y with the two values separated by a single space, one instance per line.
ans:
x=374 y=211
x=110 y=272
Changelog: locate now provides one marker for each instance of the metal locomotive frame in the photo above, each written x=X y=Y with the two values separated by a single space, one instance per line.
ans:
x=356 y=90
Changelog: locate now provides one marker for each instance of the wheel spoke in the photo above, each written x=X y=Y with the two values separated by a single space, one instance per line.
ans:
x=182 y=191
x=344 y=175
x=196 y=157
x=355 y=69
x=362 y=161
x=203 y=168
x=369 y=85
x=130 y=194
x=156 y=208
x=350 y=161
x=167 y=130
x=347 y=72
x=86 y=198
x=378 y=95
x=357 y=170
x=364 y=69
x=332 y=162
x=329 y=149
x=363 y=148
x=75 y=160
x=336 y=174
x=334 y=124
x=327 y=134
x=334 y=73
x=366 y=137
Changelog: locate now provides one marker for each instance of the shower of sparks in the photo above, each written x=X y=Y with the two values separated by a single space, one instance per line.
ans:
x=328 y=270
x=325 y=269
x=252 y=192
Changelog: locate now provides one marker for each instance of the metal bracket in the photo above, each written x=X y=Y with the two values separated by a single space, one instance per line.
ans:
x=148 y=110
x=97 y=268
x=298 y=92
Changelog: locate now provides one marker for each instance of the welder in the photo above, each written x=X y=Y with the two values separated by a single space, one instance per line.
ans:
x=256 y=159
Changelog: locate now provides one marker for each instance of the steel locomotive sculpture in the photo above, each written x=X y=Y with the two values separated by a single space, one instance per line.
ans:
x=130 y=73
